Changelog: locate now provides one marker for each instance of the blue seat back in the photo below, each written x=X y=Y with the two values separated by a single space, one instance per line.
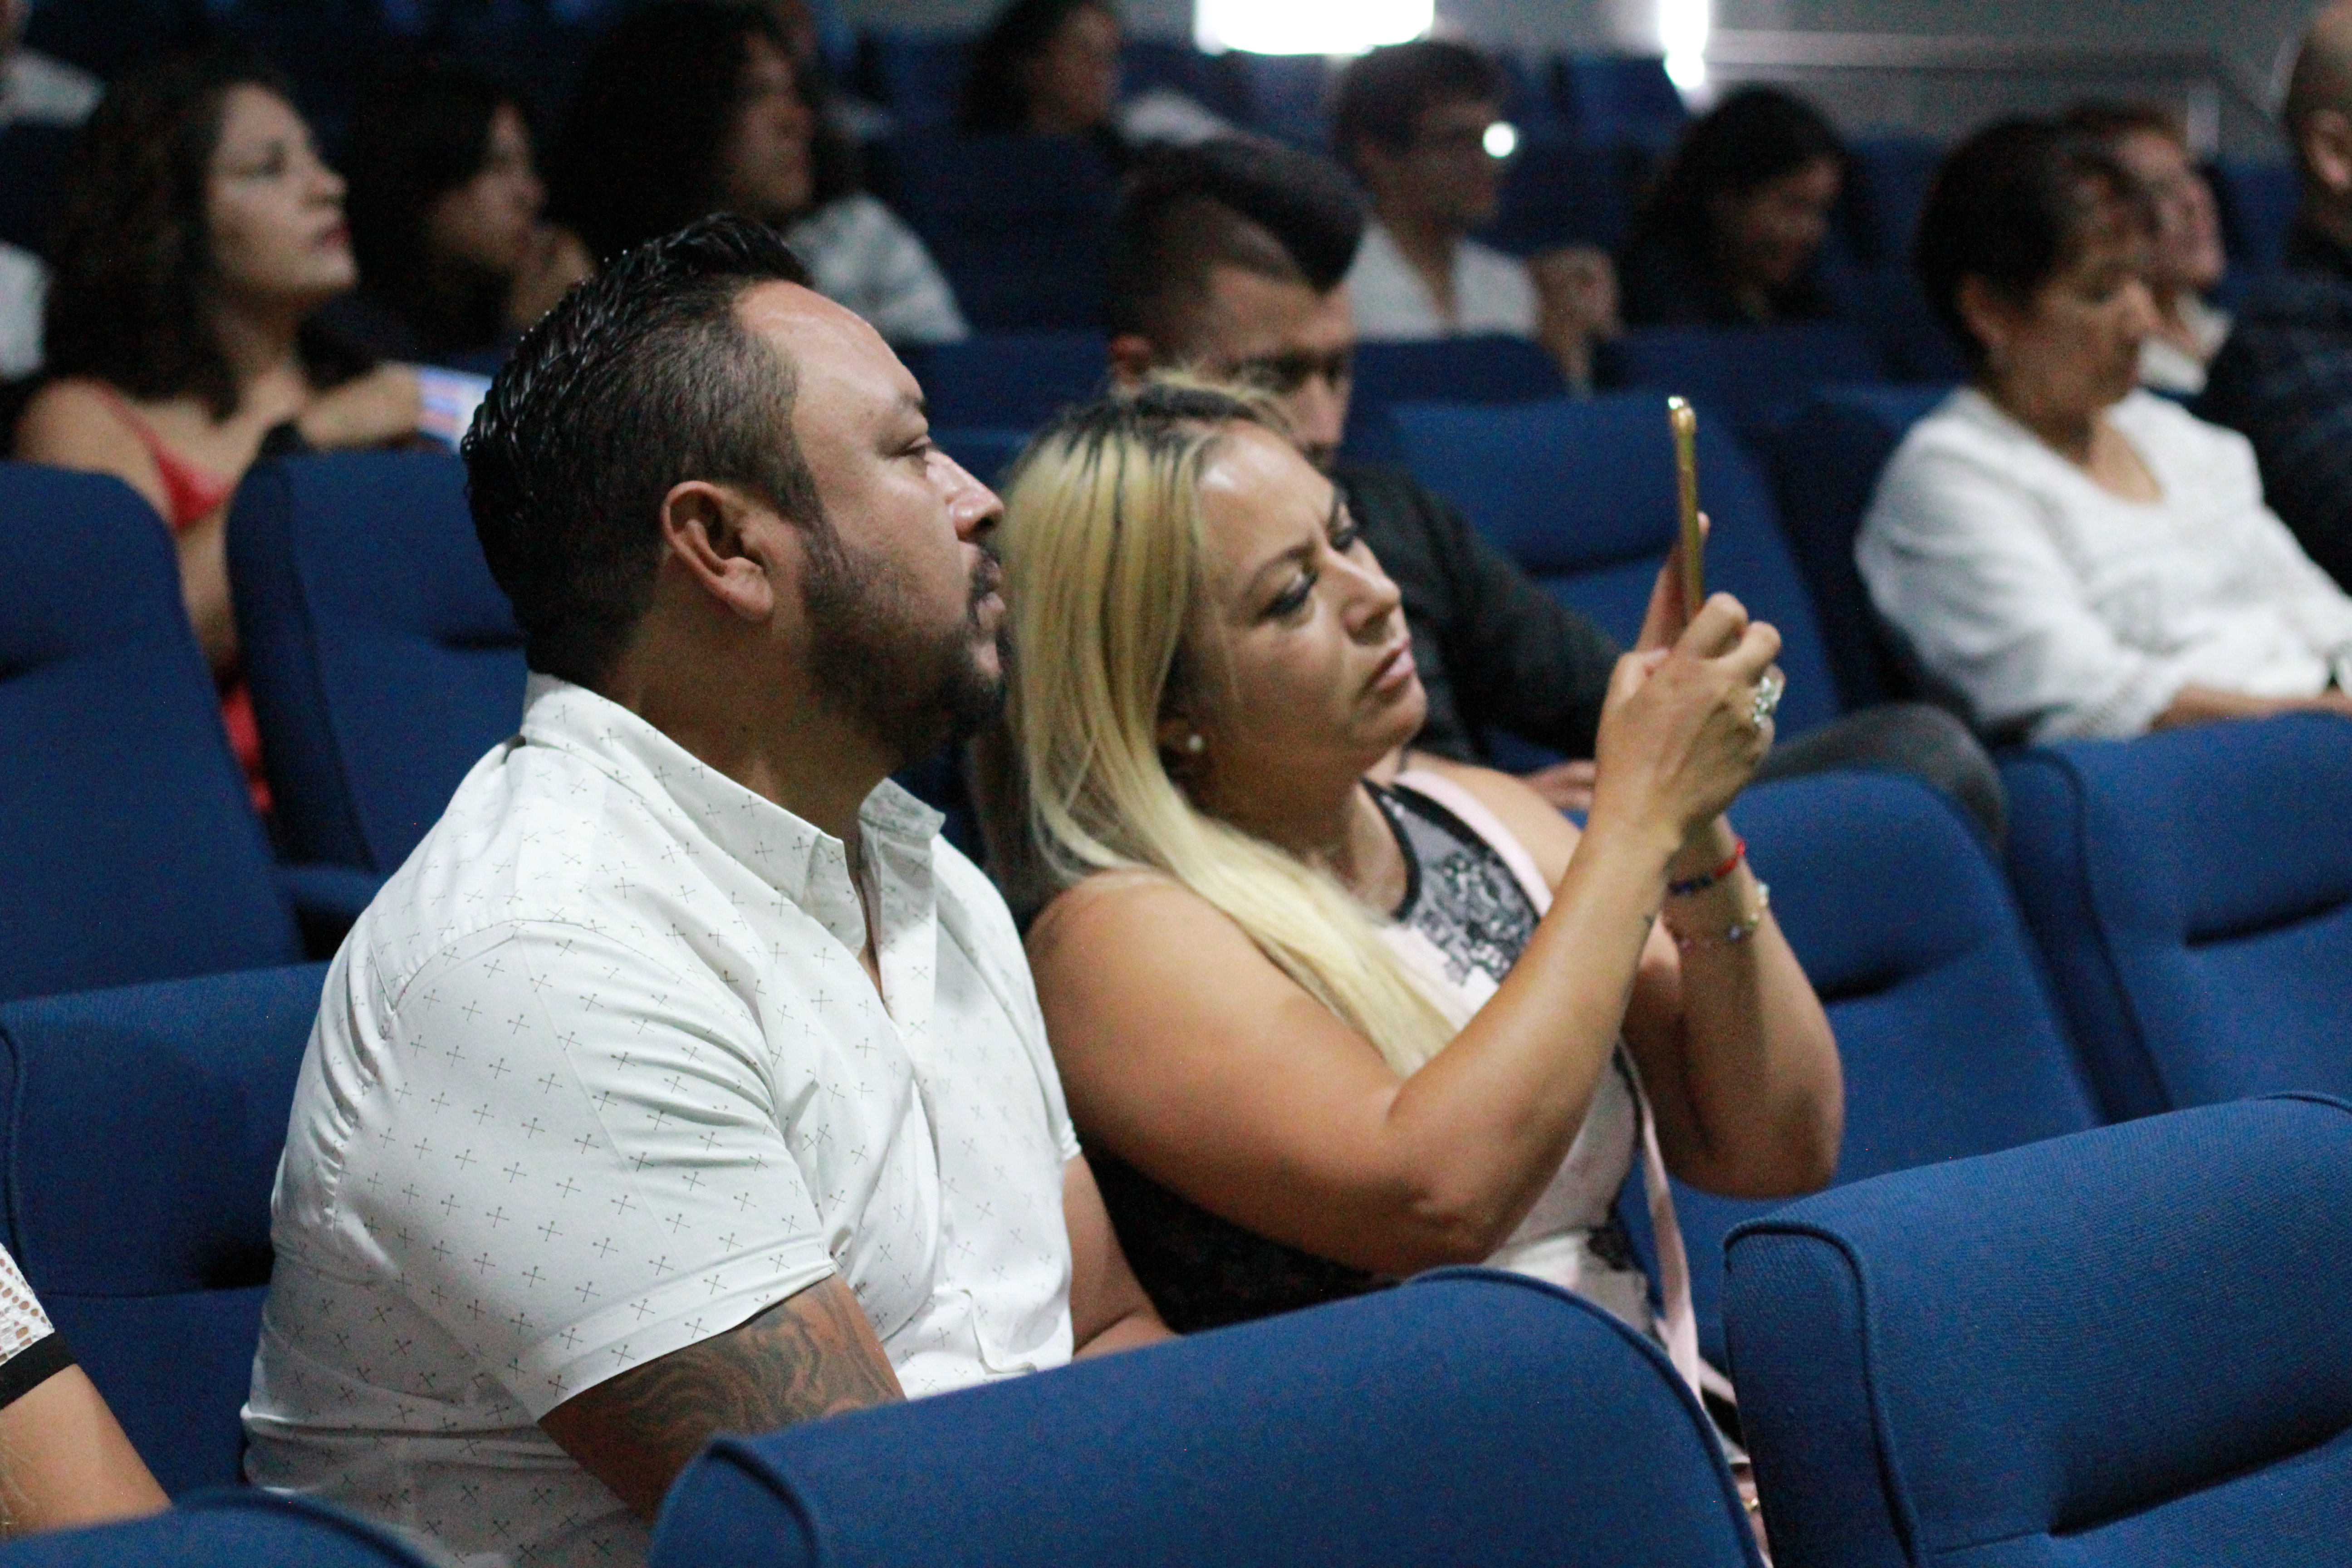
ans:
x=2116 y=1349
x=221 y=1530
x=1008 y=379
x=1886 y=186
x=920 y=77
x=383 y=658
x=1483 y=367
x=1149 y=65
x=2192 y=891
x=1017 y=223
x=1610 y=98
x=1825 y=464
x=142 y=1128
x=1581 y=494
x=1286 y=96
x=2259 y=198
x=1758 y=377
x=1468 y=1418
x=129 y=849
x=1561 y=191
x=1949 y=1042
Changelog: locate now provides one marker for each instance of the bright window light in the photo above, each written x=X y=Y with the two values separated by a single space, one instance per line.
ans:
x=1502 y=138
x=1308 y=27
x=1683 y=27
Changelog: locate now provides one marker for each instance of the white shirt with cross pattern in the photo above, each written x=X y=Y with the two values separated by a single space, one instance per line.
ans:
x=597 y=1076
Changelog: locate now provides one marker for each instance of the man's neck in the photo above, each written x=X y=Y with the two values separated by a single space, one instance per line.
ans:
x=1428 y=248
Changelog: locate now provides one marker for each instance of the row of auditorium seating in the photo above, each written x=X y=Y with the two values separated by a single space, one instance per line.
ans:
x=2115 y=1346
x=2157 y=880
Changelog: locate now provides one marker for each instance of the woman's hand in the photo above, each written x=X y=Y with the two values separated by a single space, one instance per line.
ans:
x=380 y=406
x=1679 y=737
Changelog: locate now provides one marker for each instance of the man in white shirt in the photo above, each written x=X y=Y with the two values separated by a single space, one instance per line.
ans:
x=1411 y=121
x=683 y=1079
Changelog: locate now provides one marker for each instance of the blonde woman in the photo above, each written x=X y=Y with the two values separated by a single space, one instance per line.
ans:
x=1323 y=1028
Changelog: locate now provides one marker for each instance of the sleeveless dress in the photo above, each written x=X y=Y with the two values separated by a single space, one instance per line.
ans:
x=1472 y=898
x=191 y=491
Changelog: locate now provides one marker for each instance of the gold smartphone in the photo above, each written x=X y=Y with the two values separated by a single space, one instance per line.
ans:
x=1683 y=419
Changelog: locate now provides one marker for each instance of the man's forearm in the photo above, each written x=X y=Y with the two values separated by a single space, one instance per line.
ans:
x=810 y=1354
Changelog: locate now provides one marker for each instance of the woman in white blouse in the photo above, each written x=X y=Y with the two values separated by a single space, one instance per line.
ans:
x=2066 y=555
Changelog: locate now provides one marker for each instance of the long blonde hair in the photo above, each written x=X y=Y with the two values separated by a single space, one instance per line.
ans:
x=1102 y=543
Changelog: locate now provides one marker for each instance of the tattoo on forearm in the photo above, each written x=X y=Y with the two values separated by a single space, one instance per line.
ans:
x=813 y=1354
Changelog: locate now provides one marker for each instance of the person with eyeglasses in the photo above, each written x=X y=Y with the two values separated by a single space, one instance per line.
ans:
x=1421 y=126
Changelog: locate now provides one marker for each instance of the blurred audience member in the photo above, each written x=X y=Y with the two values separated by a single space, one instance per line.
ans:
x=1412 y=121
x=200 y=236
x=2187 y=258
x=1733 y=235
x=445 y=221
x=23 y=284
x=64 y=1461
x=1429 y=1041
x=2285 y=374
x=34 y=89
x=1230 y=258
x=2065 y=553
x=687 y=109
x=1050 y=67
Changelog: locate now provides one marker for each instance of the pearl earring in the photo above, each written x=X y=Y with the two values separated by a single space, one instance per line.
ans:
x=1196 y=742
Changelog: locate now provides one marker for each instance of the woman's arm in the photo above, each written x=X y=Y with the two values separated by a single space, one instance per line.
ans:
x=65 y=1461
x=1188 y=1052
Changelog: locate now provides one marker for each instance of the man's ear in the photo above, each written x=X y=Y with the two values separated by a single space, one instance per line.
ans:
x=1132 y=357
x=2325 y=141
x=715 y=535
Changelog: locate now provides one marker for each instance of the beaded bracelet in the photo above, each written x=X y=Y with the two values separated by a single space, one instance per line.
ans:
x=1735 y=933
x=1705 y=880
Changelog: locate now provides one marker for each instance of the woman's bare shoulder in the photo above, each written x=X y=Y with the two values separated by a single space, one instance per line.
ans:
x=74 y=423
x=1111 y=909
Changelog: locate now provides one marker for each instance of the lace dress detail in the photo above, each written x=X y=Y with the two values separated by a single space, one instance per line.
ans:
x=30 y=1350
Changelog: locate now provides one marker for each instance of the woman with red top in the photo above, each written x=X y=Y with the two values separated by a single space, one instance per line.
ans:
x=200 y=234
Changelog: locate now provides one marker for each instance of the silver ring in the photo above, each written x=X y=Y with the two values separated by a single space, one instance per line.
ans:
x=1768 y=698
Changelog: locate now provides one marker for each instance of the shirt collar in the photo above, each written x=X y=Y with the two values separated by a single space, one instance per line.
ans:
x=802 y=862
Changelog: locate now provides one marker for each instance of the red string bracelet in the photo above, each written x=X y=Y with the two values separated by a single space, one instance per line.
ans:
x=1701 y=883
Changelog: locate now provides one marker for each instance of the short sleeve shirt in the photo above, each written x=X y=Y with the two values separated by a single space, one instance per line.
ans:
x=1492 y=293
x=598 y=1076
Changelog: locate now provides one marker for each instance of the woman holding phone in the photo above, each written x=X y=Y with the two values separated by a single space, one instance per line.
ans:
x=1325 y=1019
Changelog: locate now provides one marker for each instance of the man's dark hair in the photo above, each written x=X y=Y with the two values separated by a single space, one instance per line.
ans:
x=2013 y=205
x=418 y=135
x=133 y=273
x=1234 y=202
x=642 y=378
x=994 y=100
x=1383 y=94
x=1752 y=138
x=644 y=149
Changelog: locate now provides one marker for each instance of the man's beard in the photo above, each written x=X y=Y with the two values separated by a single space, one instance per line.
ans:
x=913 y=690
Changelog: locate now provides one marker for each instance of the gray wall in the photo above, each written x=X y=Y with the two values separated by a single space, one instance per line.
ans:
x=2250 y=34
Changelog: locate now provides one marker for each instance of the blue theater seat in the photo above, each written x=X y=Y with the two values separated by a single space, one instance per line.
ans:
x=1581 y=494
x=2192 y=891
x=1286 y=96
x=1758 y=376
x=221 y=1530
x=2258 y=198
x=918 y=77
x=140 y=1130
x=382 y=658
x=1017 y=223
x=1825 y=464
x=1886 y=190
x=2123 y=1349
x=1467 y=1417
x=129 y=849
x=1482 y=367
x=985 y=452
x=1621 y=97
x=1560 y=191
x=1950 y=1044
x=1008 y=379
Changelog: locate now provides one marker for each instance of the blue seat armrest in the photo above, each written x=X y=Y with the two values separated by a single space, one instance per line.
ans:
x=326 y=899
